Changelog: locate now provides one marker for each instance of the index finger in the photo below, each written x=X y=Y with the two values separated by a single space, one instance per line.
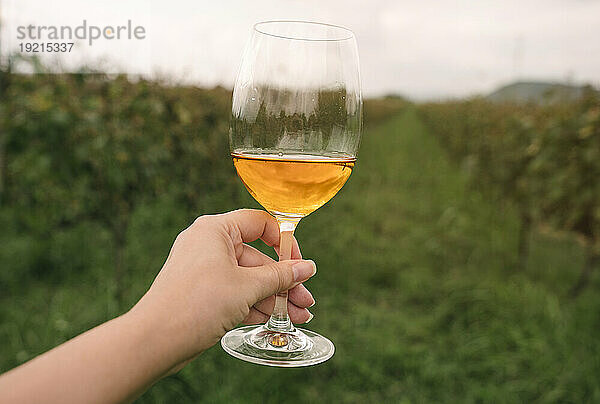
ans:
x=253 y=224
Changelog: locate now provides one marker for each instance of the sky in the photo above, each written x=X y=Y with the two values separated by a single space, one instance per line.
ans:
x=420 y=49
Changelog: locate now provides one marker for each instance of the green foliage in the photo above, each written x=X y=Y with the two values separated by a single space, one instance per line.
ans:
x=89 y=148
x=543 y=159
x=565 y=167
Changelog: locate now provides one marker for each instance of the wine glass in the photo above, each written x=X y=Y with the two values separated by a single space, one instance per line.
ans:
x=295 y=129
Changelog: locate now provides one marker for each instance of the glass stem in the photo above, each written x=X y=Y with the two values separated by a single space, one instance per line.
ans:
x=280 y=320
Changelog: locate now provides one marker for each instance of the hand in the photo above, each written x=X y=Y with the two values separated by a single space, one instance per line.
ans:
x=212 y=281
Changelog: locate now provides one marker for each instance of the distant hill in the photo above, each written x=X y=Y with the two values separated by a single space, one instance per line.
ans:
x=538 y=92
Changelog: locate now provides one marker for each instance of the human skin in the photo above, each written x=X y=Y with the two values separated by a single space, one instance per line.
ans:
x=211 y=281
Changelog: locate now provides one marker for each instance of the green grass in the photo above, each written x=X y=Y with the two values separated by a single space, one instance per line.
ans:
x=417 y=286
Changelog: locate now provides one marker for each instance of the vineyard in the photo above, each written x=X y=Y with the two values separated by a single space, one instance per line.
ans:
x=86 y=149
x=80 y=150
x=543 y=160
x=419 y=284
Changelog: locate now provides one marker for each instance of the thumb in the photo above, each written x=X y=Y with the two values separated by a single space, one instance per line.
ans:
x=283 y=275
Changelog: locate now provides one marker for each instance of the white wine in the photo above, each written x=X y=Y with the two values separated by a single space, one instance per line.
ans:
x=295 y=184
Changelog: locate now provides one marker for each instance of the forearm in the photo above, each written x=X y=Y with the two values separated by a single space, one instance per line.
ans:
x=111 y=363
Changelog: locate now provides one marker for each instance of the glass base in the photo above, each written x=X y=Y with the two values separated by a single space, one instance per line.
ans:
x=257 y=344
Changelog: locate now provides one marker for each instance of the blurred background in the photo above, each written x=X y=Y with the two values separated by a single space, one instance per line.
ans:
x=461 y=262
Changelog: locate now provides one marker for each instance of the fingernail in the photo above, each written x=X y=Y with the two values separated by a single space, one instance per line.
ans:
x=313 y=303
x=310 y=317
x=303 y=270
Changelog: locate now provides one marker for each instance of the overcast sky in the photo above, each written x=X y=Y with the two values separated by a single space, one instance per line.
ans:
x=423 y=49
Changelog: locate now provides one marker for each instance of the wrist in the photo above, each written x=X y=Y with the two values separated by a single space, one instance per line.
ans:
x=158 y=334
